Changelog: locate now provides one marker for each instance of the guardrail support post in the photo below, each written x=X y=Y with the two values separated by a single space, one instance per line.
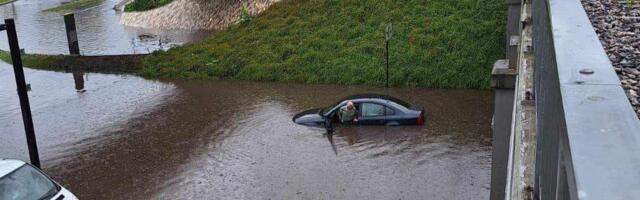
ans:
x=513 y=31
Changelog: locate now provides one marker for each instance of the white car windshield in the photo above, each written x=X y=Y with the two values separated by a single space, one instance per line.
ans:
x=26 y=183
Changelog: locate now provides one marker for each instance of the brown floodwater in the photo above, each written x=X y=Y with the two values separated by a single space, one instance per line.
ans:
x=124 y=137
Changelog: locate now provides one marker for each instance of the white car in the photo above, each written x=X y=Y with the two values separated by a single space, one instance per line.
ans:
x=21 y=181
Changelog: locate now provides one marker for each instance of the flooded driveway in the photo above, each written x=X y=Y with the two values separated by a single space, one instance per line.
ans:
x=129 y=138
x=99 y=30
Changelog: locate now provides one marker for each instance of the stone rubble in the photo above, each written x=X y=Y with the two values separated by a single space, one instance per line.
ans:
x=194 y=14
x=617 y=23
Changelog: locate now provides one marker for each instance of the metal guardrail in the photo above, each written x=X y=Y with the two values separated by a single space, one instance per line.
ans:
x=588 y=144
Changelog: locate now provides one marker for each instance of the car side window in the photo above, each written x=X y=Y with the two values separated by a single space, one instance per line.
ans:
x=389 y=111
x=374 y=110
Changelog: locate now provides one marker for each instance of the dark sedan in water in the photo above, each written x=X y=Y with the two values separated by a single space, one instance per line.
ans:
x=372 y=109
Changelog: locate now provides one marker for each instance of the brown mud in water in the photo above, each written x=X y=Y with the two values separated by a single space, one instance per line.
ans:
x=236 y=140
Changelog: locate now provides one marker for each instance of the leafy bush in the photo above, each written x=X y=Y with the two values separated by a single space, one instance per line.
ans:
x=244 y=13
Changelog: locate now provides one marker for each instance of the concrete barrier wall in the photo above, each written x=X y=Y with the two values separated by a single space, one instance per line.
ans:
x=503 y=82
x=588 y=143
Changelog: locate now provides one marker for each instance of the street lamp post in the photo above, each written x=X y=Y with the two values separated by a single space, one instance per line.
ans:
x=387 y=38
x=10 y=27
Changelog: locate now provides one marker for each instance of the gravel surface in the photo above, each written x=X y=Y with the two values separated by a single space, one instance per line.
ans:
x=617 y=22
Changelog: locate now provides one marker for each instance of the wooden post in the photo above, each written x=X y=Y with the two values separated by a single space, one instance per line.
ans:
x=72 y=34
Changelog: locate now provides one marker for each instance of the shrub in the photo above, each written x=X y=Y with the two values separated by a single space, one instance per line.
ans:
x=244 y=14
x=142 y=5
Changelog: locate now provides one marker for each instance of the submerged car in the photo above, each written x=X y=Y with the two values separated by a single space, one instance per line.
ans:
x=21 y=181
x=371 y=109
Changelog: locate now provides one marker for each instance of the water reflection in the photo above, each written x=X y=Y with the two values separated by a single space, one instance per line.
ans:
x=99 y=30
x=78 y=79
x=62 y=117
x=329 y=135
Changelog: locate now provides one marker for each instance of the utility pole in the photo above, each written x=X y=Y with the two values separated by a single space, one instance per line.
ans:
x=10 y=27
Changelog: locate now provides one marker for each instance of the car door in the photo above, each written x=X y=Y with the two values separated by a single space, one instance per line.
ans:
x=374 y=114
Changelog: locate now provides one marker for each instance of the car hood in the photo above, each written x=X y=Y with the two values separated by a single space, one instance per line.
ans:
x=65 y=194
x=309 y=117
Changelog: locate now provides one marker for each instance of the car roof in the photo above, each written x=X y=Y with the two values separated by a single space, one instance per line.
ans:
x=9 y=165
x=376 y=96
x=363 y=96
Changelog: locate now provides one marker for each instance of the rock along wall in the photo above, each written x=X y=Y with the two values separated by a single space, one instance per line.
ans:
x=194 y=14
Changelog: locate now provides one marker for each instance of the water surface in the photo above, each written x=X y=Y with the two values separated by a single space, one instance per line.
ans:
x=129 y=138
x=99 y=30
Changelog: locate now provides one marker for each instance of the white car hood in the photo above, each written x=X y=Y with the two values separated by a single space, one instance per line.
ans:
x=67 y=195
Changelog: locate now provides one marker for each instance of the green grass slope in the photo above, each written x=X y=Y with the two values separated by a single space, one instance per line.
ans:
x=74 y=5
x=436 y=43
x=36 y=61
x=2 y=2
x=142 y=5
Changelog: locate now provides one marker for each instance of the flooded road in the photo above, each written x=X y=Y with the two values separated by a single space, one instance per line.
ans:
x=99 y=30
x=129 y=138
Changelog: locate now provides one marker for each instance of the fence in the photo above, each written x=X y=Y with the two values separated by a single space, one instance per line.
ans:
x=588 y=137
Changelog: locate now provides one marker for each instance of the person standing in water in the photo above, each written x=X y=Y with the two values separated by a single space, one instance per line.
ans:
x=348 y=113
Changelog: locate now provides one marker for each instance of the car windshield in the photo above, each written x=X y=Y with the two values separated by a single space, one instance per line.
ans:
x=26 y=183
x=326 y=110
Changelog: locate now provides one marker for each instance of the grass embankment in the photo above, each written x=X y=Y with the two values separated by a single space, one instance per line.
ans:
x=37 y=61
x=74 y=5
x=436 y=43
x=142 y=5
x=2 y=2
